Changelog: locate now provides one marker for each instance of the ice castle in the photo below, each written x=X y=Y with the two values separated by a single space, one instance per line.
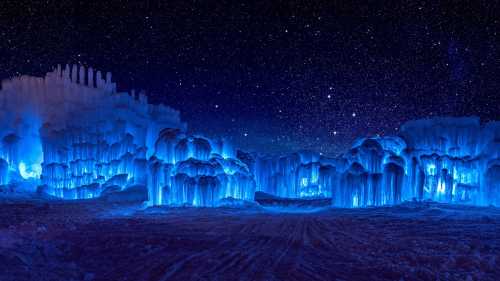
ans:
x=72 y=135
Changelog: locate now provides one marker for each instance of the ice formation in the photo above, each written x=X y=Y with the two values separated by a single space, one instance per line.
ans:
x=453 y=160
x=72 y=135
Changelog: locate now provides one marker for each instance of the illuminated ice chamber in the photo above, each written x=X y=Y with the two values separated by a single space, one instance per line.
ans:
x=72 y=135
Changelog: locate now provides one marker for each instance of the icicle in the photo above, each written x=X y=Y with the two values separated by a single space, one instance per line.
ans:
x=90 y=77
x=82 y=75
x=108 y=77
x=107 y=84
x=74 y=73
x=98 y=80
x=67 y=74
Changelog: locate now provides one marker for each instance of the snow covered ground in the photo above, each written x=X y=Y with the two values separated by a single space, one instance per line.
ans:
x=92 y=240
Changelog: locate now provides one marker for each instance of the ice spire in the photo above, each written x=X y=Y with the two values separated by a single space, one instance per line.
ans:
x=73 y=73
x=98 y=80
x=66 y=74
x=81 y=79
x=90 y=77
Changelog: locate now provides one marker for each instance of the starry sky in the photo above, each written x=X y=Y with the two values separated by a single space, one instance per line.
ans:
x=274 y=76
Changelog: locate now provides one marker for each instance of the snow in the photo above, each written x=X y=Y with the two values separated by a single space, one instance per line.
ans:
x=95 y=240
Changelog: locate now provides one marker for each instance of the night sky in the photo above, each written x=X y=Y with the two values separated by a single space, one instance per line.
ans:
x=280 y=76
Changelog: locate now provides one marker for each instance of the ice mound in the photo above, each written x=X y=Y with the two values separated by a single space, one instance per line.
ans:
x=231 y=202
x=268 y=200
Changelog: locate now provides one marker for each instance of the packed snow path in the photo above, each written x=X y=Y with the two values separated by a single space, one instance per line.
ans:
x=95 y=241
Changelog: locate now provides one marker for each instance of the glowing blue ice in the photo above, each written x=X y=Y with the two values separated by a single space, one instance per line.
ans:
x=75 y=136
x=454 y=160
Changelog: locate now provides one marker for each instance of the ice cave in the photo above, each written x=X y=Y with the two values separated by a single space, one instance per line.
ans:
x=72 y=135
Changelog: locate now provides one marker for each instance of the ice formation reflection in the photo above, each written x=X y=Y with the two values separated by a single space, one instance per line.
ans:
x=72 y=135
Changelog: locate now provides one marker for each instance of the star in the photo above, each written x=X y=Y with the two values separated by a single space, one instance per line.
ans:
x=277 y=72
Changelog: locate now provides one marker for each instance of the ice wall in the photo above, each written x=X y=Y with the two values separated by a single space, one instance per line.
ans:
x=453 y=160
x=296 y=175
x=74 y=136
x=457 y=157
x=74 y=133
x=196 y=171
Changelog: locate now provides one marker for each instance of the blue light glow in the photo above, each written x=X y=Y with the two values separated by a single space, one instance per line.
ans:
x=34 y=171
x=102 y=141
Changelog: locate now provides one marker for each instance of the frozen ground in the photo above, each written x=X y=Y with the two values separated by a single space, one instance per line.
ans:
x=94 y=241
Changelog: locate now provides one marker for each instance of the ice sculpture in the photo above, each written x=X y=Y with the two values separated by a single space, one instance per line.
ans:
x=72 y=135
x=298 y=175
x=193 y=170
x=454 y=160
x=75 y=133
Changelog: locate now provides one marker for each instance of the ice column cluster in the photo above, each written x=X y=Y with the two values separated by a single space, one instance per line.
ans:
x=195 y=170
x=297 y=175
x=453 y=160
x=72 y=134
